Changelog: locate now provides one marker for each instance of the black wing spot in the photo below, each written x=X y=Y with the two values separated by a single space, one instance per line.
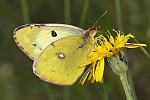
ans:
x=53 y=33
x=37 y=46
x=34 y=44
x=37 y=25
x=42 y=24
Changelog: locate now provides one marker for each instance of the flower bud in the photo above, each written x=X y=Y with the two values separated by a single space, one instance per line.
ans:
x=118 y=62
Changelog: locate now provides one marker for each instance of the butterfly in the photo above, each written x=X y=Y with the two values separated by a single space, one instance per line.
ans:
x=56 y=49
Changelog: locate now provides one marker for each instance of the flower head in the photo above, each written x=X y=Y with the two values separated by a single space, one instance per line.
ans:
x=105 y=48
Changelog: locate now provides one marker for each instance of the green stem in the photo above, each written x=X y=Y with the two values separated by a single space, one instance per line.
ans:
x=126 y=87
x=25 y=13
x=118 y=13
x=120 y=26
x=103 y=91
x=48 y=91
x=84 y=13
x=67 y=15
x=66 y=93
x=85 y=92
x=133 y=92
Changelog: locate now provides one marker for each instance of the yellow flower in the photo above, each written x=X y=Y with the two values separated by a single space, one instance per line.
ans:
x=105 y=48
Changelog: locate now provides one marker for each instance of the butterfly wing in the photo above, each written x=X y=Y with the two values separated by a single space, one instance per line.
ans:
x=32 y=39
x=59 y=62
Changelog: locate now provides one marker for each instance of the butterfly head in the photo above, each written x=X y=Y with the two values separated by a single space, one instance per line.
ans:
x=87 y=32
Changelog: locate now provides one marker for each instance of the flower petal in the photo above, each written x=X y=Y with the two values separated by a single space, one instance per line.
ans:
x=99 y=70
x=134 y=45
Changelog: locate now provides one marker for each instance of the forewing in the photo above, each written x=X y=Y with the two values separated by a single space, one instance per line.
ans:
x=34 y=38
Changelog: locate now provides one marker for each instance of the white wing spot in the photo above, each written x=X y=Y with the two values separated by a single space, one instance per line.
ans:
x=60 y=55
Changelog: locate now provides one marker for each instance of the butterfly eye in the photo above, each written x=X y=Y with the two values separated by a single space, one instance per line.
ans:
x=53 y=33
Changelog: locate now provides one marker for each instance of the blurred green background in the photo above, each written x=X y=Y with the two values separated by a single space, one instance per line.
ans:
x=17 y=81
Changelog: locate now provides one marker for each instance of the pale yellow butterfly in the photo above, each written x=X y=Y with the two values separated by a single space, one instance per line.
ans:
x=57 y=50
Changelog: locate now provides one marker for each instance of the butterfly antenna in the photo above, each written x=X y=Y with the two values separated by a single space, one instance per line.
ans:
x=86 y=32
x=99 y=18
